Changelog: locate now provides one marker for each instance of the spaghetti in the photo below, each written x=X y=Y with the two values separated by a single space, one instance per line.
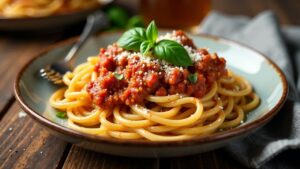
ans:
x=39 y=8
x=162 y=111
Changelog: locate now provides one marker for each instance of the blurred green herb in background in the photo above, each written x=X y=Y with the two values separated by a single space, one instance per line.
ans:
x=135 y=21
x=120 y=18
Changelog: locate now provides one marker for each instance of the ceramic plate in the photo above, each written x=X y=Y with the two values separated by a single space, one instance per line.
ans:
x=267 y=79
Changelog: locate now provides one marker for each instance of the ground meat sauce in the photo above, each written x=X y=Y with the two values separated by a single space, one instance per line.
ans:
x=129 y=79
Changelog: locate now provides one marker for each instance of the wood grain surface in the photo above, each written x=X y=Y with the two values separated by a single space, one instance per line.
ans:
x=25 y=144
x=14 y=53
x=210 y=160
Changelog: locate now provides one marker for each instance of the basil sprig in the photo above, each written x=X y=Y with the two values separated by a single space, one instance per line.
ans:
x=139 y=39
x=172 y=52
x=146 y=46
x=132 y=39
x=152 y=32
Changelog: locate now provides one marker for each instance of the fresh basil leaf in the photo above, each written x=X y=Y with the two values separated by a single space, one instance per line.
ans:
x=146 y=46
x=193 y=78
x=172 y=52
x=118 y=76
x=152 y=32
x=132 y=39
x=61 y=115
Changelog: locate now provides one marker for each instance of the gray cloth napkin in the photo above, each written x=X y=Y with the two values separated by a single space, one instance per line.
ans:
x=282 y=45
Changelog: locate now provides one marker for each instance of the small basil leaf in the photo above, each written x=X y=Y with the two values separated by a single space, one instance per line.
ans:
x=132 y=39
x=193 y=78
x=172 y=52
x=152 y=32
x=146 y=46
x=61 y=115
x=118 y=76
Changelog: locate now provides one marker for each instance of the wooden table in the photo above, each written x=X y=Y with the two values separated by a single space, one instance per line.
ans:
x=25 y=144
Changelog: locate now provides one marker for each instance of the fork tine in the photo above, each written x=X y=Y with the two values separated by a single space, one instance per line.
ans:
x=54 y=72
x=51 y=75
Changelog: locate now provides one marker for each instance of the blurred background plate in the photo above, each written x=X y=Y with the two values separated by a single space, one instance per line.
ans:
x=47 y=22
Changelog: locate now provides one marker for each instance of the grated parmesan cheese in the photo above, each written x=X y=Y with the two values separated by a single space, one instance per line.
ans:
x=165 y=66
x=194 y=55
x=170 y=36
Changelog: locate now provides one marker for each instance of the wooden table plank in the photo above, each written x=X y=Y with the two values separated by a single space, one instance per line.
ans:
x=210 y=160
x=14 y=53
x=81 y=158
x=24 y=144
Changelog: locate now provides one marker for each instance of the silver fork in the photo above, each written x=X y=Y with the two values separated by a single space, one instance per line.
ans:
x=55 y=71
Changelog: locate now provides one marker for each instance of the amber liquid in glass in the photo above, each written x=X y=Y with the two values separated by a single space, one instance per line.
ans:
x=182 y=14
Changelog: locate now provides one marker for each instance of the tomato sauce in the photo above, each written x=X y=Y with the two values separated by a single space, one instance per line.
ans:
x=127 y=80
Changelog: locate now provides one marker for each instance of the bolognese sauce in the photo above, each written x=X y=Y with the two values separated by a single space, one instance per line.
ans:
x=126 y=77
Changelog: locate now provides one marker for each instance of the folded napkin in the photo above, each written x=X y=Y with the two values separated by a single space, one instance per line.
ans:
x=282 y=45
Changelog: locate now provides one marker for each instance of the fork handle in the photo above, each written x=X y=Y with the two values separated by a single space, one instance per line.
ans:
x=94 y=23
